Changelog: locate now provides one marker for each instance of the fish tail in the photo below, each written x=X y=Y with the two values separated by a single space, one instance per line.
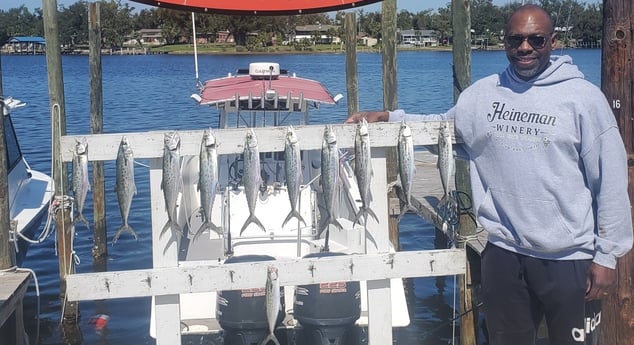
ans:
x=80 y=218
x=293 y=214
x=207 y=225
x=252 y=219
x=122 y=229
x=358 y=216
x=270 y=337
x=165 y=227
x=336 y=223
x=372 y=214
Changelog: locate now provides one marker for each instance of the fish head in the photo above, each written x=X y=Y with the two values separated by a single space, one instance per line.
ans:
x=405 y=131
x=209 y=140
x=445 y=130
x=272 y=272
x=124 y=146
x=172 y=141
x=291 y=136
x=251 y=140
x=362 y=128
x=329 y=135
x=81 y=146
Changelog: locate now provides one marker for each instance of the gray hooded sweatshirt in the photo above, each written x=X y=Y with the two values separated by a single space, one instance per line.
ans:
x=548 y=165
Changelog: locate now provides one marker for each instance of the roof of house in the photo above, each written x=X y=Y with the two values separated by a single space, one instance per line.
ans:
x=27 y=39
x=315 y=27
x=417 y=32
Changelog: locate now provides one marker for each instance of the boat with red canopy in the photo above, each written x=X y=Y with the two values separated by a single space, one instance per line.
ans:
x=265 y=89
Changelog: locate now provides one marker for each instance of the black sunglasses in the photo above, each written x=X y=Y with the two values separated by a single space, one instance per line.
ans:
x=536 y=41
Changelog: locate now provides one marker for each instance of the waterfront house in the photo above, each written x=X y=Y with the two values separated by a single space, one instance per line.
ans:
x=25 y=45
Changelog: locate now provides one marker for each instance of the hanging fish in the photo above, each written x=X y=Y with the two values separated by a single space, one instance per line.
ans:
x=207 y=181
x=251 y=178
x=81 y=185
x=273 y=303
x=125 y=186
x=293 y=169
x=171 y=179
x=363 y=170
x=406 y=168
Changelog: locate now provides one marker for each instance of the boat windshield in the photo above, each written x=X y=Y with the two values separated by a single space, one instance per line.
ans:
x=13 y=148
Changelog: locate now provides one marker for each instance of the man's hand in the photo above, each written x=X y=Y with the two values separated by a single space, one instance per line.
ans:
x=599 y=281
x=370 y=116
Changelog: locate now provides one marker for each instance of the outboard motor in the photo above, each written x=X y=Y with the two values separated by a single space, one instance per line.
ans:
x=327 y=311
x=242 y=313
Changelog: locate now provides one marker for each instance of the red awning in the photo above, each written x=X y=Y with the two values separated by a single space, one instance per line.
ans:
x=243 y=86
x=258 y=7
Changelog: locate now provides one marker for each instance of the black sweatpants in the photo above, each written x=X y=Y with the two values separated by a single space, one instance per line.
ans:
x=518 y=291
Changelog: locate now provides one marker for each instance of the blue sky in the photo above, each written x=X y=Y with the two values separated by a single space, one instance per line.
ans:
x=410 y=5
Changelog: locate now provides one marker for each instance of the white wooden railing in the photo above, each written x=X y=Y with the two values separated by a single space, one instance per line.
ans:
x=166 y=280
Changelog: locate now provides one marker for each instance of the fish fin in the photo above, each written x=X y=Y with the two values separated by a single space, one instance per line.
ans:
x=80 y=218
x=169 y=242
x=371 y=238
x=165 y=227
x=252 y=219
x=122 y=229
x=205 y=226
x=293 y=214
x=270 y=337
x=372 y=214
x=357 y=217
x=336 y=223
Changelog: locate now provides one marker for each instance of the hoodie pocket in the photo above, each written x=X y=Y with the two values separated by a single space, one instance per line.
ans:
x=536 y=224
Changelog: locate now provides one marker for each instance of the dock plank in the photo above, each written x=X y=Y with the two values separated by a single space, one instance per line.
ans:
x=427 y=191
x=12 y=290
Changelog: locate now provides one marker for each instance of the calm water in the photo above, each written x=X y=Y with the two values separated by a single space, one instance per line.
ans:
x=144 y=93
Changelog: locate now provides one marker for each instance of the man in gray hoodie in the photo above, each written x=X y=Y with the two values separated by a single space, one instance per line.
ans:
x=549 y=182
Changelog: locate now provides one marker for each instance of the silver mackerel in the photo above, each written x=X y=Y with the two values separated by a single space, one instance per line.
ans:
x=125 y=186
x=81 y=185
x=171 y=179
x=207 y=180
x=363 y=170
x=446 y=163
x=406 y=168
x=273 y=303
x=330 y=176
x=293 y=170
x=251 y=178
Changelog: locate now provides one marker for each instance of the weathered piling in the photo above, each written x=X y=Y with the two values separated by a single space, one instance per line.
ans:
x=390 y=100
x=461 y=13
x=617 y=316
x=380 y=289
x=60 y=171
x=7 y=251
x=100 y=247
x=352 y=77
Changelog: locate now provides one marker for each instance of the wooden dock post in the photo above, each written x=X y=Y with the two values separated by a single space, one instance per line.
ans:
x=7 y=251
x=462 y=79
x=100 y=247
x=352 y=77
x=617 y=316
x=60 y=172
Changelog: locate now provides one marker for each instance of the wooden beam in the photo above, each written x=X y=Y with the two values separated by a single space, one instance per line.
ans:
x=206 y=276
x=231 y=141
x=617 y=316
x=100 y=238
x=58 y=127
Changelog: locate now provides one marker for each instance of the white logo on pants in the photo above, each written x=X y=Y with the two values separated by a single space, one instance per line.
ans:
x=579 y=334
